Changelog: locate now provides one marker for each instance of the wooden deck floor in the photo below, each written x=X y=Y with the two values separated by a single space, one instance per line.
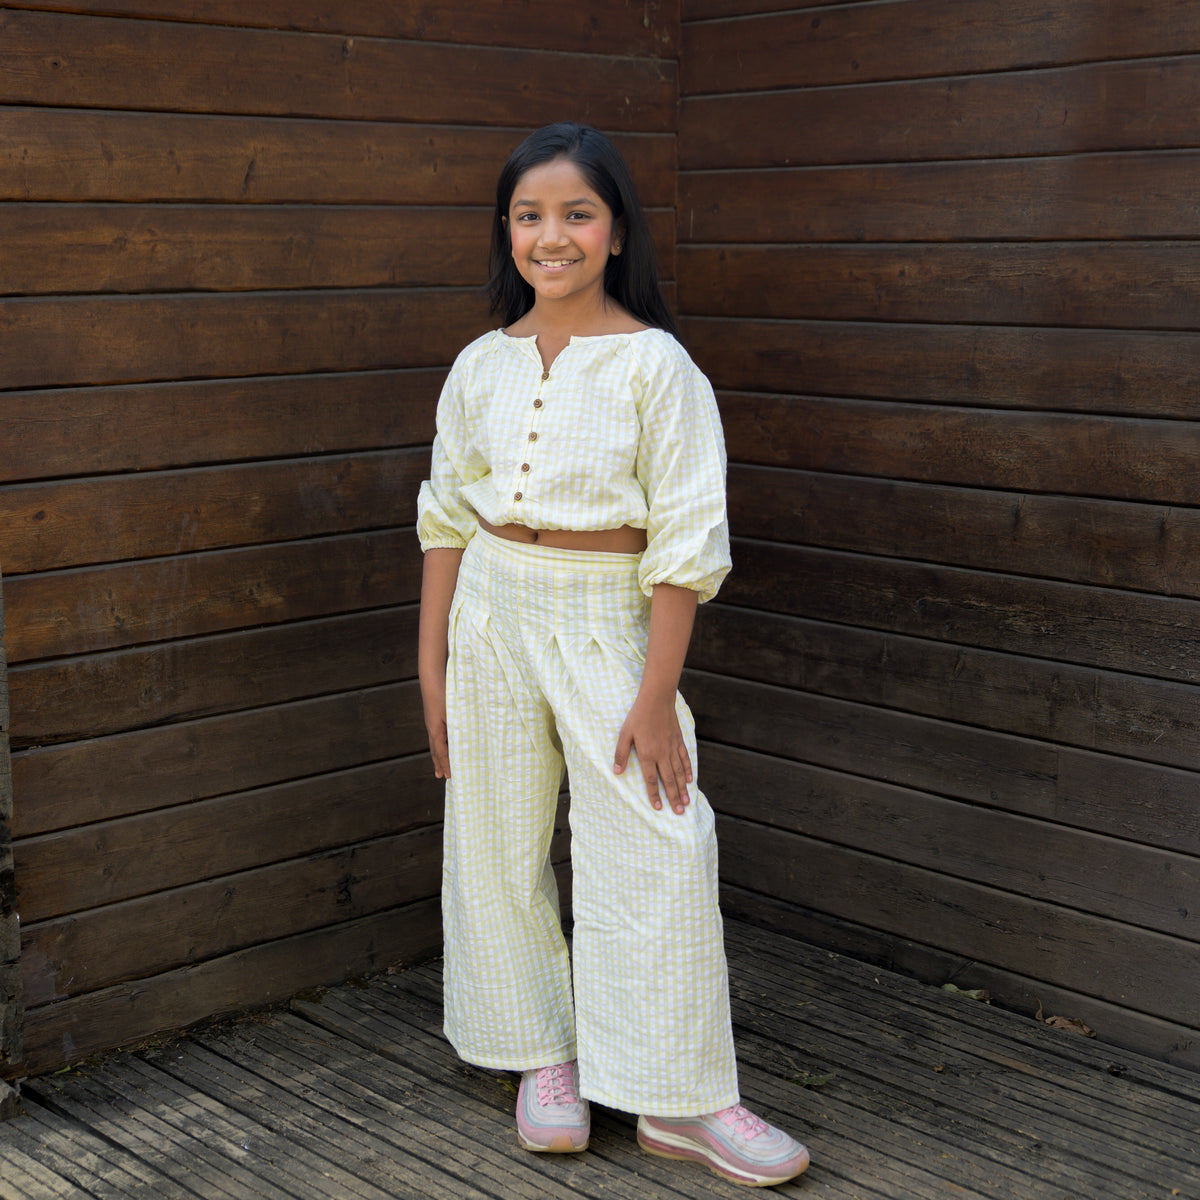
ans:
x=354 y=1095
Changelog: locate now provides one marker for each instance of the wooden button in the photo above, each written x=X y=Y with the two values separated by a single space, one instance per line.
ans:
x=516 y=495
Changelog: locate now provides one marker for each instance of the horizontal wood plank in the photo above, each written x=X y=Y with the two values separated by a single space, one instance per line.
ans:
x=144 y=770
x=1122 y=285
x=56 y=248
x=1071 y=454
x=113 y=519
x=128 y=339
x=223 y=836
x=128 y=1013
x=1104 y=543
x=99 y=608
x=1126 y=195
x=91 y=431
x=860 y=44
x=604 y=27
x=93 y=696
x=1138 y=885
x=84 y=155
x=1102 y=958
x=1042 y=699
x=1138 y=105
x=107 y=946
x=63 y=59
x=1099 y=627
x=1072 y=370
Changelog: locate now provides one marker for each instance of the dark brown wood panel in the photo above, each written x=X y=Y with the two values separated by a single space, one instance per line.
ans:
x=1098 y=542
x=603 y=26
x=127 y=517
x=101 y=608
x=1138 y=885
x=862 y=44
x=1109 y=959
x=1106 y=711
x=1100 y=627
x=144 y=770
x=1076 y=454
x=63 y=154
x=266 y=974
x=700 y=10
x=62 y=59
x=130 y=339
x=1128 y=195
x=222 y=836
x=1140 y=105
x=96 y=695
x=55 y=248
x=1130 y=373
x=1115 y=284
x=97 y=430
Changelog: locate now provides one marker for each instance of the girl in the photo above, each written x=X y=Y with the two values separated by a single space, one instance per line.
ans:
x=573 y=519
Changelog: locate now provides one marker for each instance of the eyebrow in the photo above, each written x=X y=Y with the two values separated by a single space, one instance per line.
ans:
x=569 y=204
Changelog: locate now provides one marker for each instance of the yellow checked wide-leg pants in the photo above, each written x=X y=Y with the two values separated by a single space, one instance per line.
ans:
x=547 y=648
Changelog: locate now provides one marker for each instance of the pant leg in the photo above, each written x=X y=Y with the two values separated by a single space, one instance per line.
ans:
x=508 y=999
x=651 y=983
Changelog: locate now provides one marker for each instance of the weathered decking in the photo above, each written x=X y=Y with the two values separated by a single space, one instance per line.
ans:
x=354 y=1095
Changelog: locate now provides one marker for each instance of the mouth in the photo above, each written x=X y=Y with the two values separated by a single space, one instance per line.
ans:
x=555 y=264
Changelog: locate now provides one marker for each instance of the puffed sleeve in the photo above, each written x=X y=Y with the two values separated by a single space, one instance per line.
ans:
x=444 y=519
x=681 y=468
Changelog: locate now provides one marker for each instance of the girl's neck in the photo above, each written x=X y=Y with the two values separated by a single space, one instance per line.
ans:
x=554 y=325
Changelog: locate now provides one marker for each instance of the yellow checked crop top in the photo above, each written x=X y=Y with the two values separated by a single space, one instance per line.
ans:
x=622 y=430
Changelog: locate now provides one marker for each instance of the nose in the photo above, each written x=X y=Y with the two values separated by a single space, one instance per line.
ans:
x=552 y=233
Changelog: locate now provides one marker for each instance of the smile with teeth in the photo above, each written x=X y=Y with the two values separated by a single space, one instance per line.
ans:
x=552 y=263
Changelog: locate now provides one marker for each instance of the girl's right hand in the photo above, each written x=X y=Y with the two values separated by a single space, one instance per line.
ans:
x=439 y=741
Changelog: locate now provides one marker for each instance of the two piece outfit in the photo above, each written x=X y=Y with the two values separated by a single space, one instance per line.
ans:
x=547 y=648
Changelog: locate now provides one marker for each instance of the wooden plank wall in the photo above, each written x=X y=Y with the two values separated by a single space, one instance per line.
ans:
x=10 y=930
x=240 y=245
x=941 y=261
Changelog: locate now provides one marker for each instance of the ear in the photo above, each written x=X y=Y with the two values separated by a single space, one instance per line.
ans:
x=618 y=237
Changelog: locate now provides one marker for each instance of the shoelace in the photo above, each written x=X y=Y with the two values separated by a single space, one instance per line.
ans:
x=742 y=1120
x=556 y=1085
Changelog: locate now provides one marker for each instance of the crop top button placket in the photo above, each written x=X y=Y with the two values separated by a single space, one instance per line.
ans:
x=522 y=472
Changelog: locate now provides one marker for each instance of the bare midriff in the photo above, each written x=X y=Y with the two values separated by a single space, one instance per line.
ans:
x=624 y=540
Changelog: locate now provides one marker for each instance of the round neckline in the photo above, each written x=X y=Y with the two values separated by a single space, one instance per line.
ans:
x=581 y=337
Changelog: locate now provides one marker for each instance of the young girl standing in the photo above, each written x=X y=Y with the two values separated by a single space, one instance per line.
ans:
x=573 y=519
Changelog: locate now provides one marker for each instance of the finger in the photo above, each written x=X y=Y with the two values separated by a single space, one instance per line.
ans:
x=651 y=778
x=624 y=745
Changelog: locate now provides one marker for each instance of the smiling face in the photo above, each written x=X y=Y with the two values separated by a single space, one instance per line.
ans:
x=561 y=234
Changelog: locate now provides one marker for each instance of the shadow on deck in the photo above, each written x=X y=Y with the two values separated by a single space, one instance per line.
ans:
x=900 y=1090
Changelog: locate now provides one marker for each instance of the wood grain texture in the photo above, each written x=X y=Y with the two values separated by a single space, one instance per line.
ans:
x=108 y=430
x=1138 y=633
x=128 y=339
x=605 y=26
x=1099 y=957
x=222 y=836
x=1094 y=709
x=1097 y=542
x=62 y=60
x=1131 y=373
x=56 y=248
x=1138 y=105
x=123 y=604
x=96 y=695
x=145 y=770
x=113 y=519
x=1140 y=885
x=101 y=947
x=263 y=974
x=855 y=45
x=1154 y=461
x=1102 y=195
x=84 y=155
x=1115 y=284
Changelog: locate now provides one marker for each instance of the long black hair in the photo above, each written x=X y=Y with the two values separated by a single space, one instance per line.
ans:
x=631 y=277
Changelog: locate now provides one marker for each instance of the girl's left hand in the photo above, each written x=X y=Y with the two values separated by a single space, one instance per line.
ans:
x=652 y=729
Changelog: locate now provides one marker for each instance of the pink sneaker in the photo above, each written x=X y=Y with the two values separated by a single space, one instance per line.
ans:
x=550 y=1115
x=733 y=1142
